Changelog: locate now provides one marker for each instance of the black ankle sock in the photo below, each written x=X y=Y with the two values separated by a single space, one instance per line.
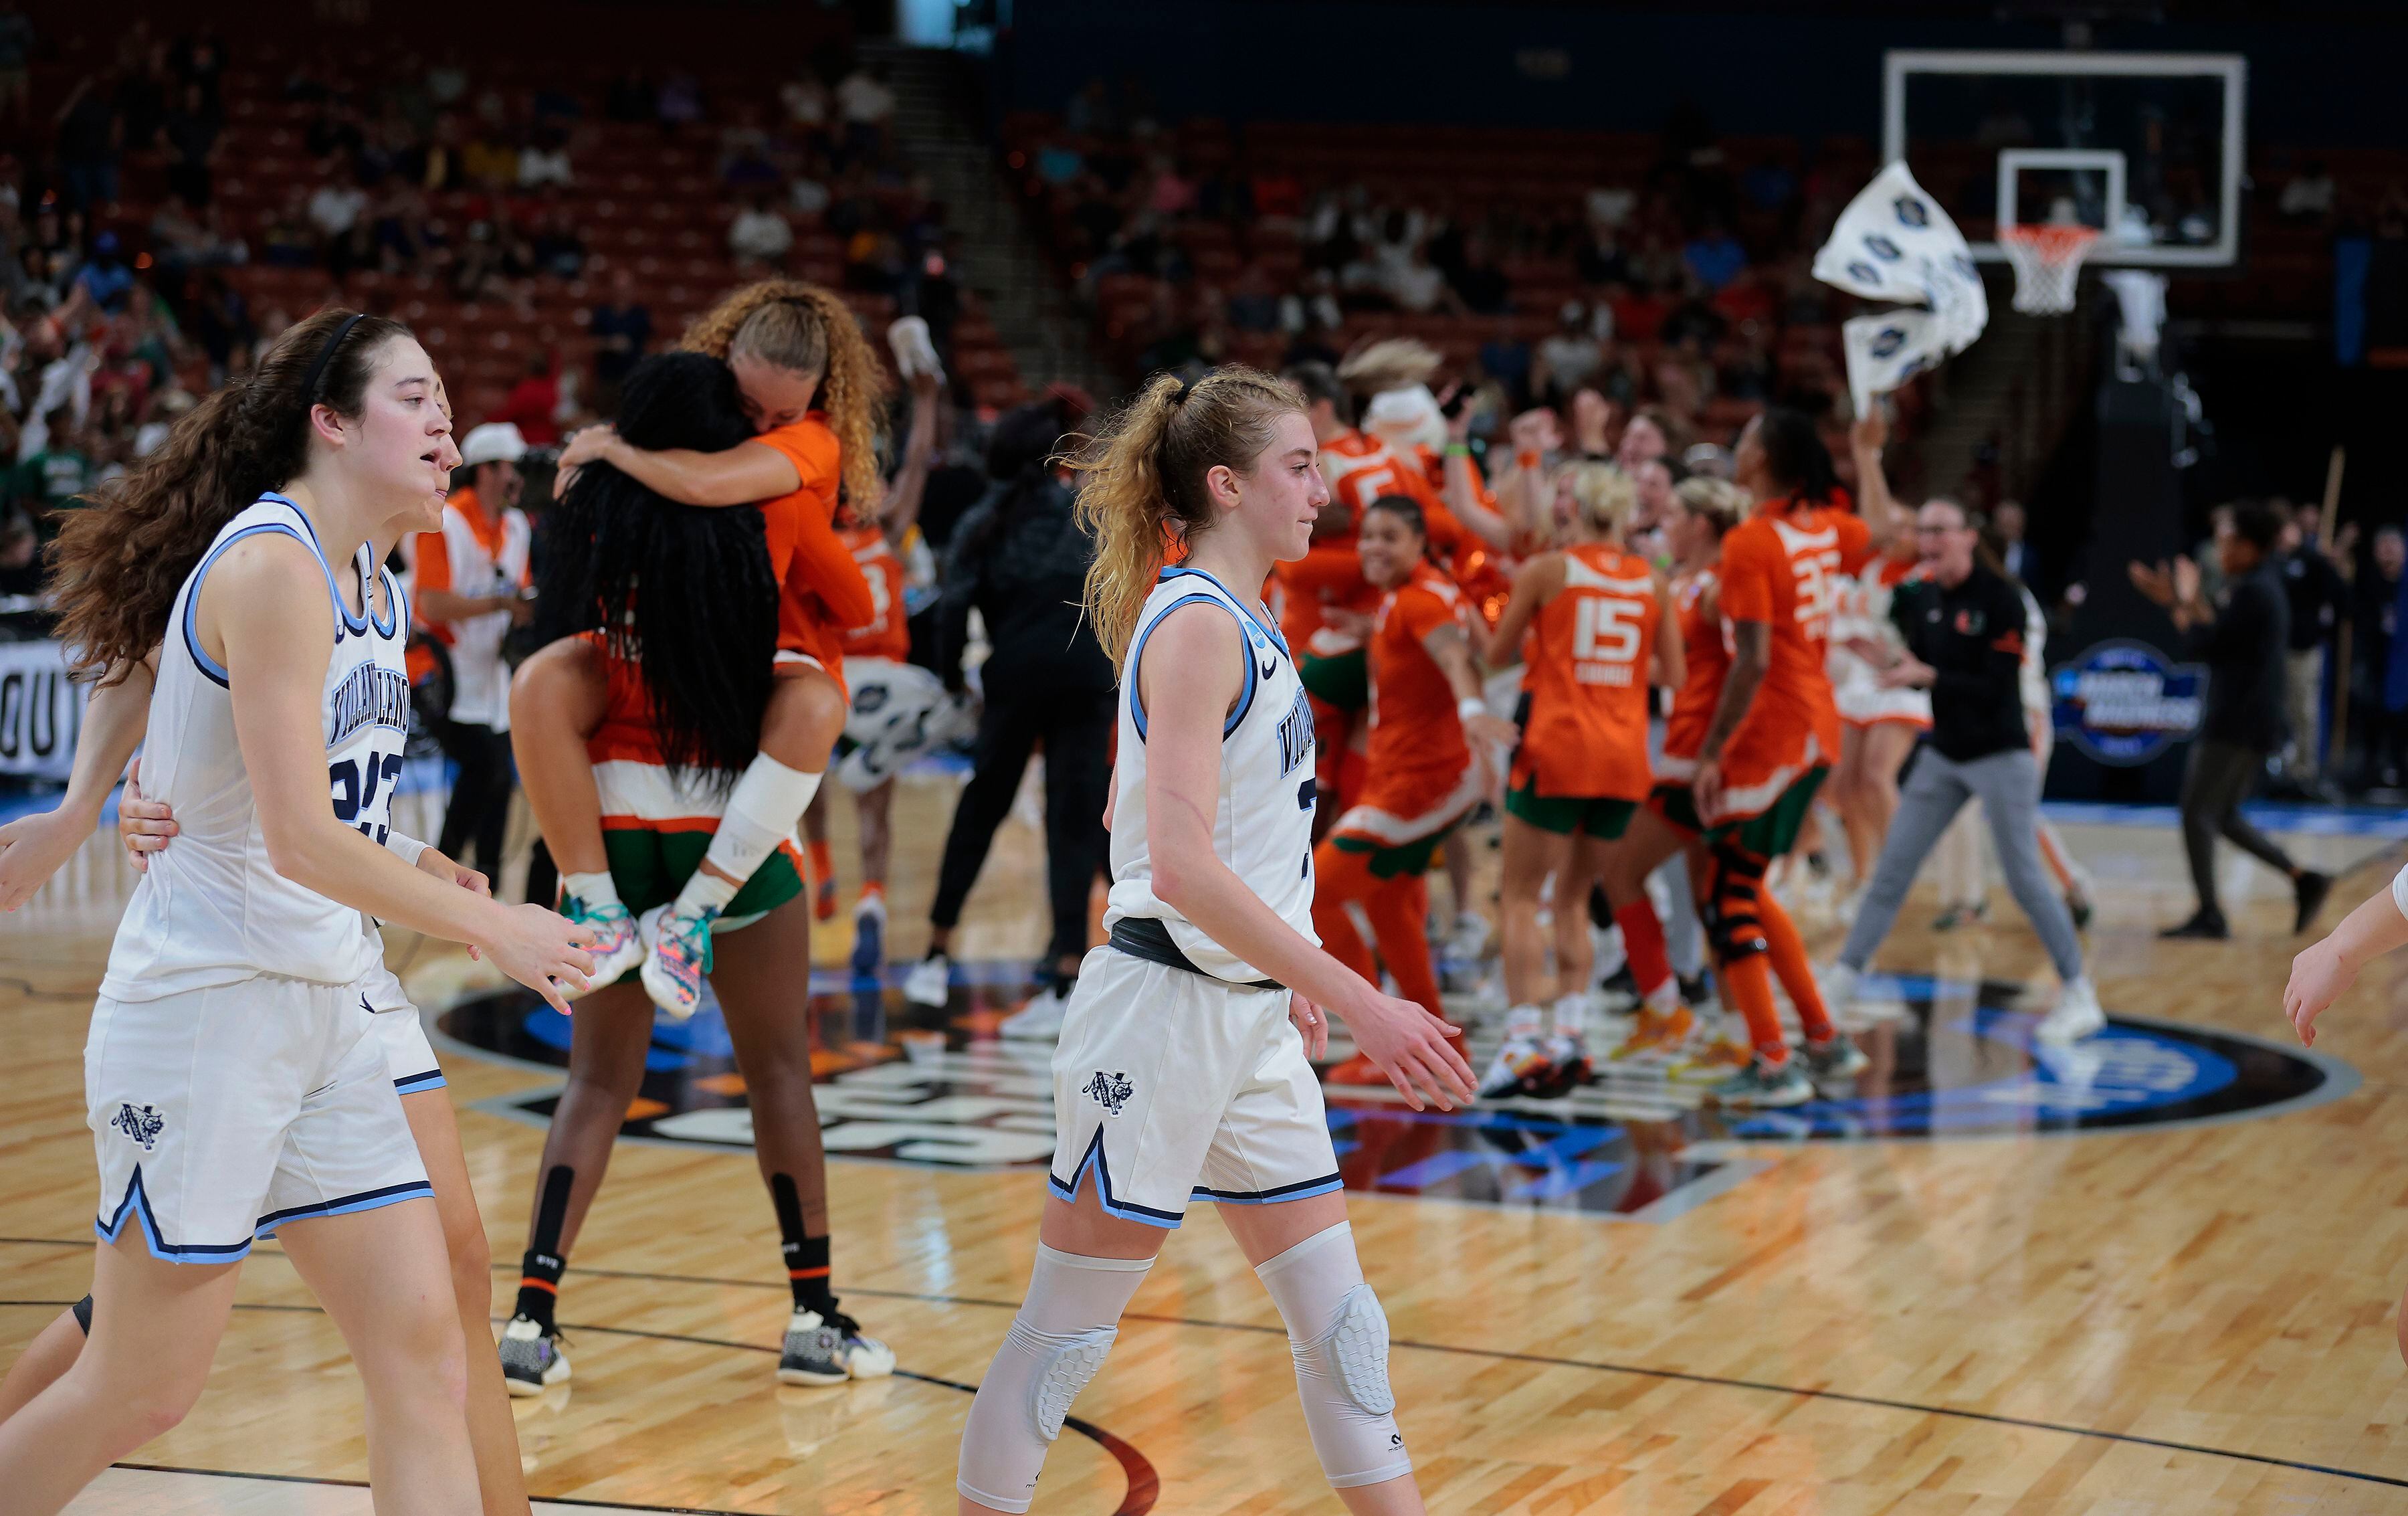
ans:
x=540 y=1267
x=807 y=1256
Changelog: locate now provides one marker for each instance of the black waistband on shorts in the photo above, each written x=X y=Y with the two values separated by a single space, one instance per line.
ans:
x=1142 y=936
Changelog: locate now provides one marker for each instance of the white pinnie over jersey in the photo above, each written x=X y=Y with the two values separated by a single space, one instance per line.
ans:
x=1263 y=827
x=211 y=909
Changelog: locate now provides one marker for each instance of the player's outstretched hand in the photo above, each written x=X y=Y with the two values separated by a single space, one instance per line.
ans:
x=543 y=952
x=143 y=826
x=431 y=861
x=1409 y=1046
x=33 y=848
x=2319 y=975
x=1310 y=1022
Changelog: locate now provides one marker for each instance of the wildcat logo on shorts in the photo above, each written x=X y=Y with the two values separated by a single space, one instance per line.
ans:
x=140 y=1123
x=1109 y=1090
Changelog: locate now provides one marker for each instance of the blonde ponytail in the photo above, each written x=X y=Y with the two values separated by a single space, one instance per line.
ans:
x=1143 y=484
x=810 y=330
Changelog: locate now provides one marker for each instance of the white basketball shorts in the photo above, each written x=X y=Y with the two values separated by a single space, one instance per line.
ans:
x=1171 y=1086
x=220 y=1114
x=407 y=1055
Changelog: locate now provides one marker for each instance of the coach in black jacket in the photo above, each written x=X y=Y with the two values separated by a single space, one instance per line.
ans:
x=1964 y=627
x=2242 y=641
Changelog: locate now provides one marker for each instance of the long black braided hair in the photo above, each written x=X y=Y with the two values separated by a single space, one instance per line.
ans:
x=682 y=592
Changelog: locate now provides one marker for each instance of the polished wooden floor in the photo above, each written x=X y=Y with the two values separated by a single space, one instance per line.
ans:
x=2188 y=1319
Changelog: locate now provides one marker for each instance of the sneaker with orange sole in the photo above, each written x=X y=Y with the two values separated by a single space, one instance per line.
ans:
x=1658 y=1034
x=1717 y=1060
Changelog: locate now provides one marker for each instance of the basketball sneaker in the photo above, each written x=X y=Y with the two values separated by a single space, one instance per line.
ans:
x=829 y=1351
x=1618 y=991
x=1828 y=1062
x=679 y=956
x=824 y=900
x=1467 y=939
x=1658 y=1034
x=533 y=1360
x=1568 y=1055
x=1761 y=1084
x=870 y=934
x=617 y=945
x=1717 y=1060
x=1040 y=1019
x=931 y=983
x=2077 y=1014
x=1520 y=1066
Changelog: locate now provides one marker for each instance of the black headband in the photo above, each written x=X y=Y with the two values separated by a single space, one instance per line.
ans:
x=326 y=353
x=1185 y=386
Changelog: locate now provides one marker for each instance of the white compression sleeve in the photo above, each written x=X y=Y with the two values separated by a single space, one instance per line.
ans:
x=406 y=848
x=1054 y=1347
x=1338 y=1337
x=762 y=811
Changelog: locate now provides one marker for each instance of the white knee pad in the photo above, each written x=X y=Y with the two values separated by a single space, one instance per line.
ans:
x=1338 y=1337
x=1055 y=1345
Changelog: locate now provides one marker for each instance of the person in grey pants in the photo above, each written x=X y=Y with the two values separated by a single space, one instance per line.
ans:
x=1964 y=629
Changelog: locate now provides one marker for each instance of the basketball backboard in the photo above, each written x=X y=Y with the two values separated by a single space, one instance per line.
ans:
x=2145 y=147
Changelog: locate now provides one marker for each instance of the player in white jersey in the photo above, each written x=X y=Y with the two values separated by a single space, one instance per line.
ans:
x=236 y=1086
x=33 y=848
x=1184 y=1069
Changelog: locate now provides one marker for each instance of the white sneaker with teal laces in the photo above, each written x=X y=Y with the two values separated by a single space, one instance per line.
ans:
x=678 y=956
x=617 y=945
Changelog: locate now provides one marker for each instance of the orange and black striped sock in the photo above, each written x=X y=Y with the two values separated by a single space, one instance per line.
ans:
x=540 y=1269
x=1735 y=920
x=1795 y=971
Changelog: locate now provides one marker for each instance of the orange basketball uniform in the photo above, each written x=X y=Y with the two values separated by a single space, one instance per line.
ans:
x=1422 y=775
x=1585 y=661
x=887 y=633
x=1778 y=568
x=820 y=588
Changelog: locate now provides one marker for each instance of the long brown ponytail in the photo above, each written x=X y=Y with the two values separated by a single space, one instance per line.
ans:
x=118 y=564
x=810 y=330
x=1144 y=481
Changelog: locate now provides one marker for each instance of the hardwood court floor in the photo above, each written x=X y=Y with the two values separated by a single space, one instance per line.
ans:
x=2196 y=1317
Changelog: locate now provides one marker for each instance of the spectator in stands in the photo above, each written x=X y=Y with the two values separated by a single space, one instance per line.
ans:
x=865 y=104
x=807 y=105
x=191 y=133
x=759 y=236
x=49 y=480
x=1506 y=358
x=90 y=137
x=545 y=160
x=1569 y=358
x=558 y=249
x=2379 y=704
x=532 y=409
x=2309 y=195
x=105 y=280
x=1714 y=257
x=1600 y=259
x=622 y=329
x=1646 y=440
x=2317 y=597
x=335 y=208
x=144 y=89
x=21 y=563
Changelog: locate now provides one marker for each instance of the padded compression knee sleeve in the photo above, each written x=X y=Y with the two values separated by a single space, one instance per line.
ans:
x=1055 y=1345
x=1732 y=924
x=1338 y=1337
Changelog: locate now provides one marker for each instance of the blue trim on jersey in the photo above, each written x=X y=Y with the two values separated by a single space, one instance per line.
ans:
x=1301 y=1189
x=412 y=1084
x=367 y=598
x=367 y=1200
x=1137 y=656
x=207 y=665
x=1269 y=629
x=355 y=624
x=137 y=1203
x=1124 y=1210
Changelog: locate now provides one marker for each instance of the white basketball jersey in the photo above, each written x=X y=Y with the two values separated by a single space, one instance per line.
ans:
x=211 y=909
x=1263 y=828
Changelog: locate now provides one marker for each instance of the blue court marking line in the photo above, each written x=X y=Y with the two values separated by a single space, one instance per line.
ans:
x=2381 y=821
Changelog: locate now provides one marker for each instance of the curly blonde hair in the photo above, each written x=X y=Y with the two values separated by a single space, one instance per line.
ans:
x=1143 y=481
x=809 y=330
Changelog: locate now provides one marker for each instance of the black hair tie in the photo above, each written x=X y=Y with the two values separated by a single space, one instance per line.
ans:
x=1186 y=386
x=325 y=355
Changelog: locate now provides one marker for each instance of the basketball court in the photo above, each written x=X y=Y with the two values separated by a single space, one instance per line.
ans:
x=2154 y=1272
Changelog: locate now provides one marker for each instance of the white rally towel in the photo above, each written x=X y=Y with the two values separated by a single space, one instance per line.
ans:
x=1895 y=243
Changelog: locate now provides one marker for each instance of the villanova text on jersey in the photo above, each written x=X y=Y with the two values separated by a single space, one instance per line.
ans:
x=369 y=697
x=1295 y=735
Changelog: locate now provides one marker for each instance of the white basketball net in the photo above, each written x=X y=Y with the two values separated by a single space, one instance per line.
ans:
x=2049 y=264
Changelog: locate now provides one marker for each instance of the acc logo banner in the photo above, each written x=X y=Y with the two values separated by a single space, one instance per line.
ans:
x=2124 y=702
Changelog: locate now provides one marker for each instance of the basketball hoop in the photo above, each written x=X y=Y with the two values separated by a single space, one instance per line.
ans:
x=2048 y=264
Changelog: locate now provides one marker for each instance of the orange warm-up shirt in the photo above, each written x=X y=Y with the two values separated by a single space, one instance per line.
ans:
x=1779 y=567
x=1706 y=655
x=820 y=588
x=1329 y=577
x=887 y=634
x=1587 y=660
x=1360 y=469
x=1417 y=753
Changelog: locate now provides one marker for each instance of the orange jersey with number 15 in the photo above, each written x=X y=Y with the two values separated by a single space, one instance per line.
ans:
x=1588 y=655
